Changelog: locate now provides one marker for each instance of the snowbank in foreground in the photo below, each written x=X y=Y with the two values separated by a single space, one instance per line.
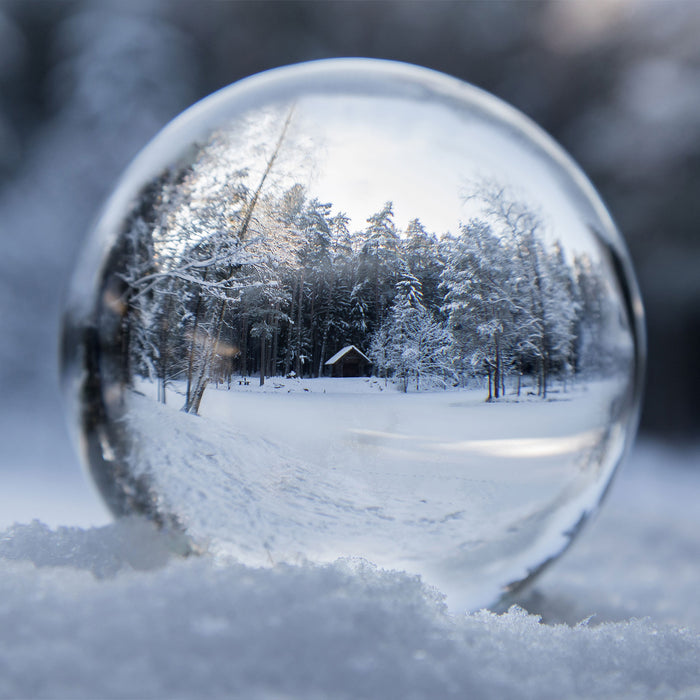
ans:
x=115 y=612
x=195 y=629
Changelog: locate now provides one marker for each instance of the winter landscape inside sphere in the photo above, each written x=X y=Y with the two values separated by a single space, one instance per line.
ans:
x=359 y=309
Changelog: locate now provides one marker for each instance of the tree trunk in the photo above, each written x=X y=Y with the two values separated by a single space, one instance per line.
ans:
x=544 y=377
x=323 y=346
x=244 y=346
x=275 y=345
x=210 y=348
x=496 y=371
x=197 y=399
x=262 y=357
x=193 y=345
x=299 y=318
x=164 y=350
x=289 y=354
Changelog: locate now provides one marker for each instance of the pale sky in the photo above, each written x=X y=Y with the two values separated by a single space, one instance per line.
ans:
x=421 y=156
x=368 y=159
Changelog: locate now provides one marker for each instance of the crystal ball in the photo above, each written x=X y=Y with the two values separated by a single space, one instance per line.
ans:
x=357 y=309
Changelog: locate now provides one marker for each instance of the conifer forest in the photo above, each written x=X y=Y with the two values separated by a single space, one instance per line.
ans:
x=228 y=275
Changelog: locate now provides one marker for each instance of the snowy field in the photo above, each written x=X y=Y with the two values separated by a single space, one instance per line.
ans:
x=469 y=494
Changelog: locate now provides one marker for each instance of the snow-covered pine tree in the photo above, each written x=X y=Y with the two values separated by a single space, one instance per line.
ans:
x=411 y=346
x=334 y=297
x=561 y=310
x=517 y=223
x=378 y=267
x=480 y=288
x=600 y=348
x=153 y=303
x=421 y=253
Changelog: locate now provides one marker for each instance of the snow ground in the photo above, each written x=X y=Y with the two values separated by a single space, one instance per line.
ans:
x=472 y=496
x=115 y=612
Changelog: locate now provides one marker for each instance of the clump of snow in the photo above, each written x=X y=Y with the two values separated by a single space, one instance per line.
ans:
x=117 y=612
x=133 y=544
x=198 y=628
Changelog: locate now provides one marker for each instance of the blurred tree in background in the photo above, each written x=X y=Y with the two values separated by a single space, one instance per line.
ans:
x=84 y=85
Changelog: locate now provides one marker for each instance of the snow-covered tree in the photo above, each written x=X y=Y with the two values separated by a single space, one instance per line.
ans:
x=378 y=265
x=543 y=299
x=411 y=346
x=561 y=310
x=226 y=271
x=211 y=240
x=481 y=302
x=601 y=344
x=421 y=253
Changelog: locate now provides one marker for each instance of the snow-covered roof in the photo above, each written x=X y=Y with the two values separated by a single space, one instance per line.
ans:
x=345 y=351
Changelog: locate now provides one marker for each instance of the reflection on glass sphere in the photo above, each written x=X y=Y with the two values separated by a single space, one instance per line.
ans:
x=357 y=309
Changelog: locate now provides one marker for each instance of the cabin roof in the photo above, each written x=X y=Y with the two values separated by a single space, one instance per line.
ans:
x=342 y=353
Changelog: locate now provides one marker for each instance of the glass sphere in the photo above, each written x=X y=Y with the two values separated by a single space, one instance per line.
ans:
x=356 y=308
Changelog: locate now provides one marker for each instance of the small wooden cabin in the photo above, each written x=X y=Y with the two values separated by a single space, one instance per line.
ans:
x=349 y=362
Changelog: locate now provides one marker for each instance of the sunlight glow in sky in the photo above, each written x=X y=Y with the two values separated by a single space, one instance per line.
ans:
x=423 y=157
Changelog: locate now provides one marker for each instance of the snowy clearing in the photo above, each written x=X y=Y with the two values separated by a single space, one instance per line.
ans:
x=471 y=495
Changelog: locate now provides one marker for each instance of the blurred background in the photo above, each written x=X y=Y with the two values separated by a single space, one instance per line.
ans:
x=85 y=84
